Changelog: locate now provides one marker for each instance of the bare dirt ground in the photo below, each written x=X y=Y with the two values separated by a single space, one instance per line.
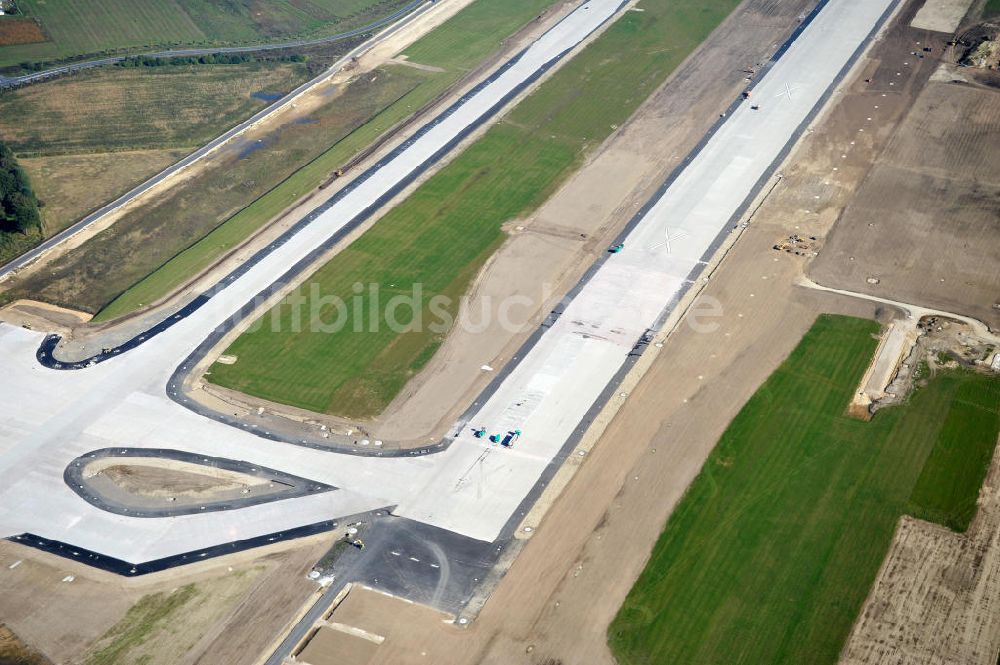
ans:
x=925 y=221
x=330 y=646
x=64 y=619
x=937 y=597
x=38 y=315
x=390 y=622
x=154 y=483
x=148 y=477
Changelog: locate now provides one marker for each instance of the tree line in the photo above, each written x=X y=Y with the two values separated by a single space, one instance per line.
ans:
x=208 y=59
x=18 y=203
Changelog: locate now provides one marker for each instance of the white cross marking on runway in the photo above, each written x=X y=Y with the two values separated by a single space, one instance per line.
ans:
x=669 y=238
x=787 y=92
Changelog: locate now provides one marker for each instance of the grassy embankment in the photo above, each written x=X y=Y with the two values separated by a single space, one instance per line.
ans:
x=769 y=556
x=366 y=110
x=162 y=628
x=87 y=28
x=447 y=229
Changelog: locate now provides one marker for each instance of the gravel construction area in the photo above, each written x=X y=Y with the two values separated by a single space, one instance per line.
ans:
x=924 y=224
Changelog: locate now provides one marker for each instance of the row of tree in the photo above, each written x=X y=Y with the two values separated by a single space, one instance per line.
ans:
x=18 y=203
x=209 y=59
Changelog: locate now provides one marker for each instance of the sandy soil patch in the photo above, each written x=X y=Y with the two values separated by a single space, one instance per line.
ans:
x=156 y=477
x=37 y=315
x=330 y=646
x=62 y=608
x=941 y=15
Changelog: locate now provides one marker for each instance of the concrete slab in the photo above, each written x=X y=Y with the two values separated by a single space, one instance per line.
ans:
x=941 y=15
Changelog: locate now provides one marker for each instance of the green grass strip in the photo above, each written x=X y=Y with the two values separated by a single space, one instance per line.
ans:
x=769 y=556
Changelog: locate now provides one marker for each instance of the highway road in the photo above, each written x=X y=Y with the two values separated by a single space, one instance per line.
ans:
x=471 y=488
x=402 y=17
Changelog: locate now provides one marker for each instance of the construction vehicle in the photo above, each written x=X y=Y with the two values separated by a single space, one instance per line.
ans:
x=360 y=544
x=339 y=173
x=479 y=433
x=512 y=436
x=617 y=248
x=796 y=244
x=755 y=107
x=495 y=438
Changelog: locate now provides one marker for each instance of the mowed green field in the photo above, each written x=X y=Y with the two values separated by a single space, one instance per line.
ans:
x=80 y=28
x=441 y=236
x=769 y=556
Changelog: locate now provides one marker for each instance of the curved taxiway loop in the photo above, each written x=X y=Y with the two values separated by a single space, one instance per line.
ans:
x=75 y=476
x=473 y=490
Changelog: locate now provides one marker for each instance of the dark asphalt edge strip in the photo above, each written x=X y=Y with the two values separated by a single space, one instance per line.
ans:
x=298 y=486
x=127 y=569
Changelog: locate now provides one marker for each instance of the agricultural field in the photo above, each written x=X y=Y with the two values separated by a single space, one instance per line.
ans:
x=15 y=30
x=94 y=135
x=102 y=26
x=940 y=166
x=772 y=551
x=114 y=108
x=460 y=212
x=68 y=197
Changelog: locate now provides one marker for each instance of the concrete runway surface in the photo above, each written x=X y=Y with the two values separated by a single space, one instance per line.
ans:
x=472 y=488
